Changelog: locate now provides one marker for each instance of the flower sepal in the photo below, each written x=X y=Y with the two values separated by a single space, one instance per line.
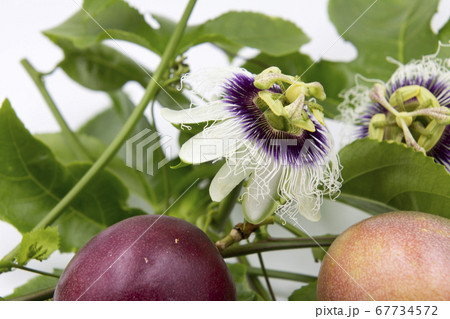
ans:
x=181 y=164
x=260 y=201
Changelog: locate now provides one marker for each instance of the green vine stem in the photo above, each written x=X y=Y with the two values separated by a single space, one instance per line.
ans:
x=280 y=274
x=277 y=244
x=121 y=137
x=40 y=272
x=266 y=277
x=74 y=143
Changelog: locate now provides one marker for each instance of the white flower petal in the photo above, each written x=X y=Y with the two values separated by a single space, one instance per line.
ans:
x=309 y=208
x=199 y=150
x=226 y=179
x=213 y=111
x=208 y=82
x=212 y=143
x=259 y=201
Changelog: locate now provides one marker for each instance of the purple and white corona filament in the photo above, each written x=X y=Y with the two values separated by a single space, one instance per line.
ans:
x=413 y=107
x=270 y=136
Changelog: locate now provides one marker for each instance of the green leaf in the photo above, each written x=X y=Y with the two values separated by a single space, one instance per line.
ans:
x=117 y=20
x=100 y=67
x=305 y=293
x=271 y=35
x=106 y=125
x=292 y=64
x=184 y=176
x=398 y=28
x=444 y=33
x=173 y=99
x=131 y=178
x=234 y=30
x=32 y=182
x=320 y=252
x=444 y=52
x=382 y=177
x=38 y=244
x=36 y=284
x=244 y=293
x=193 y=205
x=101 y=204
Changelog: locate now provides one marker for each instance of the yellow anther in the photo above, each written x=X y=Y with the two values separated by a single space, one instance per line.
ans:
x=304 y=124
x=376 y=127
x=315 y=89
x=433 y=133
x=274 y=104
x=294 y=91
x=319 y=116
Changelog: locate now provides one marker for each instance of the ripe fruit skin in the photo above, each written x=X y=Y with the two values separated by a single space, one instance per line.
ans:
x=393 y=256
x=150 y=258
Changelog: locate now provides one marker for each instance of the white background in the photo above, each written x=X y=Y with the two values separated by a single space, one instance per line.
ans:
x=20 y=25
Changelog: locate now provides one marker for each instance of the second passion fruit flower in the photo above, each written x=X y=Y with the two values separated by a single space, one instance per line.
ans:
x=270 y=130
x=413 y=107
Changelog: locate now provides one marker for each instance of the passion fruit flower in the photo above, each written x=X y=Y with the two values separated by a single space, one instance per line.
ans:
x=413 y=107
x=272 y=137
